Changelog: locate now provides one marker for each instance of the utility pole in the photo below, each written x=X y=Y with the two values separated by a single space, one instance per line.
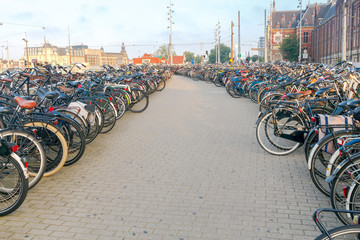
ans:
x=27 y=50
x=170 y=36
x=69 y=44
x=215 y=40
x=232 y=42
x=266 y=40
x=300 y=35
x=219 y=52
x=270 y=33
x=7 y=49
x=239 y=47
x=344 y=30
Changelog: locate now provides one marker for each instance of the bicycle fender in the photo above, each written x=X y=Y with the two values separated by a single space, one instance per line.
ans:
x=18 y=159
x=311 y=155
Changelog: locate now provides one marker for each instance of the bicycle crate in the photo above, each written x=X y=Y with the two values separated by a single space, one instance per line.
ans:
x=332 y=123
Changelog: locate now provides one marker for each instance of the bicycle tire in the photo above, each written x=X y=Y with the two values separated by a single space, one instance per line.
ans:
x=343 y=179
x=161 y=85
x=279 y=147
x=318 y=160
x=54 y=164
x=13 y=185
x=29 y=148
x=336 y=233
x=138 y=96
x=267 y=101
x=75 y=138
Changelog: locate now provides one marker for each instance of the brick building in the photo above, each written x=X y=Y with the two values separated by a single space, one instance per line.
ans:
x=284 y=24
x=327 y=34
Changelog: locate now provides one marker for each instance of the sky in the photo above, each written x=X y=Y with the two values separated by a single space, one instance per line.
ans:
x=141 y=24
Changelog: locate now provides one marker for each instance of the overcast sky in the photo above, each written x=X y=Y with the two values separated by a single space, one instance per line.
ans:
x=140 y=24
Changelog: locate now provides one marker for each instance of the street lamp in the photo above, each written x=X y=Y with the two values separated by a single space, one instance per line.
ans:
x=170 y=35
x=300 y=5
x=27 y=50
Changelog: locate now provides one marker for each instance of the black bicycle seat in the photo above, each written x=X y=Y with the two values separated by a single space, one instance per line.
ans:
x=353 y=103
x=294 y=95
x=321 y=91
x=73 y=83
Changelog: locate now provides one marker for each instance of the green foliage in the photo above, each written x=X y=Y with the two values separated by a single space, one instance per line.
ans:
x=198 y=59
x=163 y=51
x=189 y=55
x=254 y=58
x=290 y=49
x=224 y=54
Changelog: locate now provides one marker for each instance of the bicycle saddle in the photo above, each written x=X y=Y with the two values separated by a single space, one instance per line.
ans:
x=343 y=104
x=43 y=92
x=25 y=103
x=294 y=95
x=353 y=103
x=63 y=96
x=321 y=91
x=73 y=84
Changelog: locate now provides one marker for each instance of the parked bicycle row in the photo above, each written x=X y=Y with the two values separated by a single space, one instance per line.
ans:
x=314 y=106
x=49 y=114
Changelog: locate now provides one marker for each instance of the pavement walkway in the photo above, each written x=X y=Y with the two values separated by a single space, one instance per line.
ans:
x=189 y=167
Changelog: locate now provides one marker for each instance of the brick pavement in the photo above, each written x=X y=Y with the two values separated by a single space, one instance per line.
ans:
x=189 y=167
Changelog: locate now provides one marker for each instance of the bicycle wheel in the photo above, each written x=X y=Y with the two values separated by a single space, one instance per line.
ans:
x=353 y=198
x=13 y=185
x=343 y=232
x=319 y=159
x=230 y=89
x=109 y=113
x=120 y=107
x=269 y=100
x=77 y=118
x=274 y=131
x=161 y=85
x=30 y=149
x=340 y=187
x=75 y=138
x=253 y=93
x=139 y=101
x=54 y=143
x=311 y=139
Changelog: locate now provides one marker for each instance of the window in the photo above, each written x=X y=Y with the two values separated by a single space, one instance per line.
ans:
x=306 y=37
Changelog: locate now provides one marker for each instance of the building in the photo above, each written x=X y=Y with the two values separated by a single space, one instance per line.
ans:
x=327 y=34
x=124 y=59
x=50 y=54
x=178 y=60
x=261 y=46
x=149 y=59
x=284 y=24
x=114 y=59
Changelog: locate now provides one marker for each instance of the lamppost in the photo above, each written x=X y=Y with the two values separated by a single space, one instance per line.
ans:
x=27 y=50
x=170 y=36
x=300 y=40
